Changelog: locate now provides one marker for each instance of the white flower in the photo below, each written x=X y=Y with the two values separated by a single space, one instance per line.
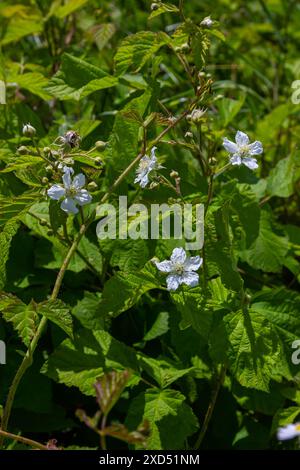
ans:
x=28 y=130
x=207 y=21
x=288 y=432
x=242 y=150
x=181 y=269
x=71 y=192
x=146 y=165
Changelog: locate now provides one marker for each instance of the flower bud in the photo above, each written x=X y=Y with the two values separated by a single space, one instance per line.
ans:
x=213 y=161
x=154 y=6
x=188 y=135
x=47 y=150
x=43 y=222
x=174 y=174
x=49 y=169
x=207 y=22
x=23 y=150
x=100 y=145
x=196 y=115
x=28 y=130
x=45 y=180
x=98 y=161
x=50 y=233
x=154 y=184
x=92 y=186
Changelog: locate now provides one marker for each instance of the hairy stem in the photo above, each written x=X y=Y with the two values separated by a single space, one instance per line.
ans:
x=24 y=440
x=27 y=360
x=211 y=407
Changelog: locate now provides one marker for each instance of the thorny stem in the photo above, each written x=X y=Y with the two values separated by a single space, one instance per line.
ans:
x=24 y=440
x=27 y=360
x=211 y=407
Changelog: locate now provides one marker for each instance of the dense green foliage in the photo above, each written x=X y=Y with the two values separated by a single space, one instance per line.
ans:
x=125 y=76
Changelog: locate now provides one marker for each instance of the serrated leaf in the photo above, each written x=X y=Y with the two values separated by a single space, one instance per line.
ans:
x=159 y=327
x=6 y=235
x=15 y=207
x=23 y=317
x=164 y=371
x=254 y=349
x=280 y=181
x=81 y=362
x=164 y=410
x=219 y=250
x=88 y=311
x=77 y=79
x=130 y=288
x=57 y=312
x=22 y=162
x=163 y=8
x=137 y=49
x=269 y=250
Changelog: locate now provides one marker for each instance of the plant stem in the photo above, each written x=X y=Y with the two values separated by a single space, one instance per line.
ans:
x=102 y=434
x=24 y=440
x=27 y=360
x=211 y=407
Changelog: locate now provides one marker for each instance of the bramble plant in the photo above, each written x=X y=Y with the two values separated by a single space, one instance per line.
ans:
x=169 y=104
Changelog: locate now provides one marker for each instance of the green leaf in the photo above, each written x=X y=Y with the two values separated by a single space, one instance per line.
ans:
x=34 y=82
x=81 y=362
x=164 y=410
x=159 y=327
x=269 y=250
x=69 y=7
x=229 y=108
x=6 y=235
x=19 y=27
x=164 y=371
x=191 y=303
x=22 y=162
x=88 y=311
x=137 y=49
x=77 y=79
x=129 y=255
x=254 y=349
x=23 y=317
x=219 y=251
x=280 y=181
x=163 y=8
x=125 y=135
x=16 y=206
x=57 y=312
x=130 y=288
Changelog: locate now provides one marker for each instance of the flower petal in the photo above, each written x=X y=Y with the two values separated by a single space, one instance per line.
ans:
x=287 y=432
x=190 y=278
x=143 y=180
x=164 y=266
x=68 y=205
x=193 y=263
x=178 y=256
x=83 y=197
x=56 y=192
x=67 y=180
x=79 y=181
x=153 y=152
x=236 y=160
x=256 y=148
x=250 y=163
x=241 y=138
x=231 y=147
x=173 y=281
